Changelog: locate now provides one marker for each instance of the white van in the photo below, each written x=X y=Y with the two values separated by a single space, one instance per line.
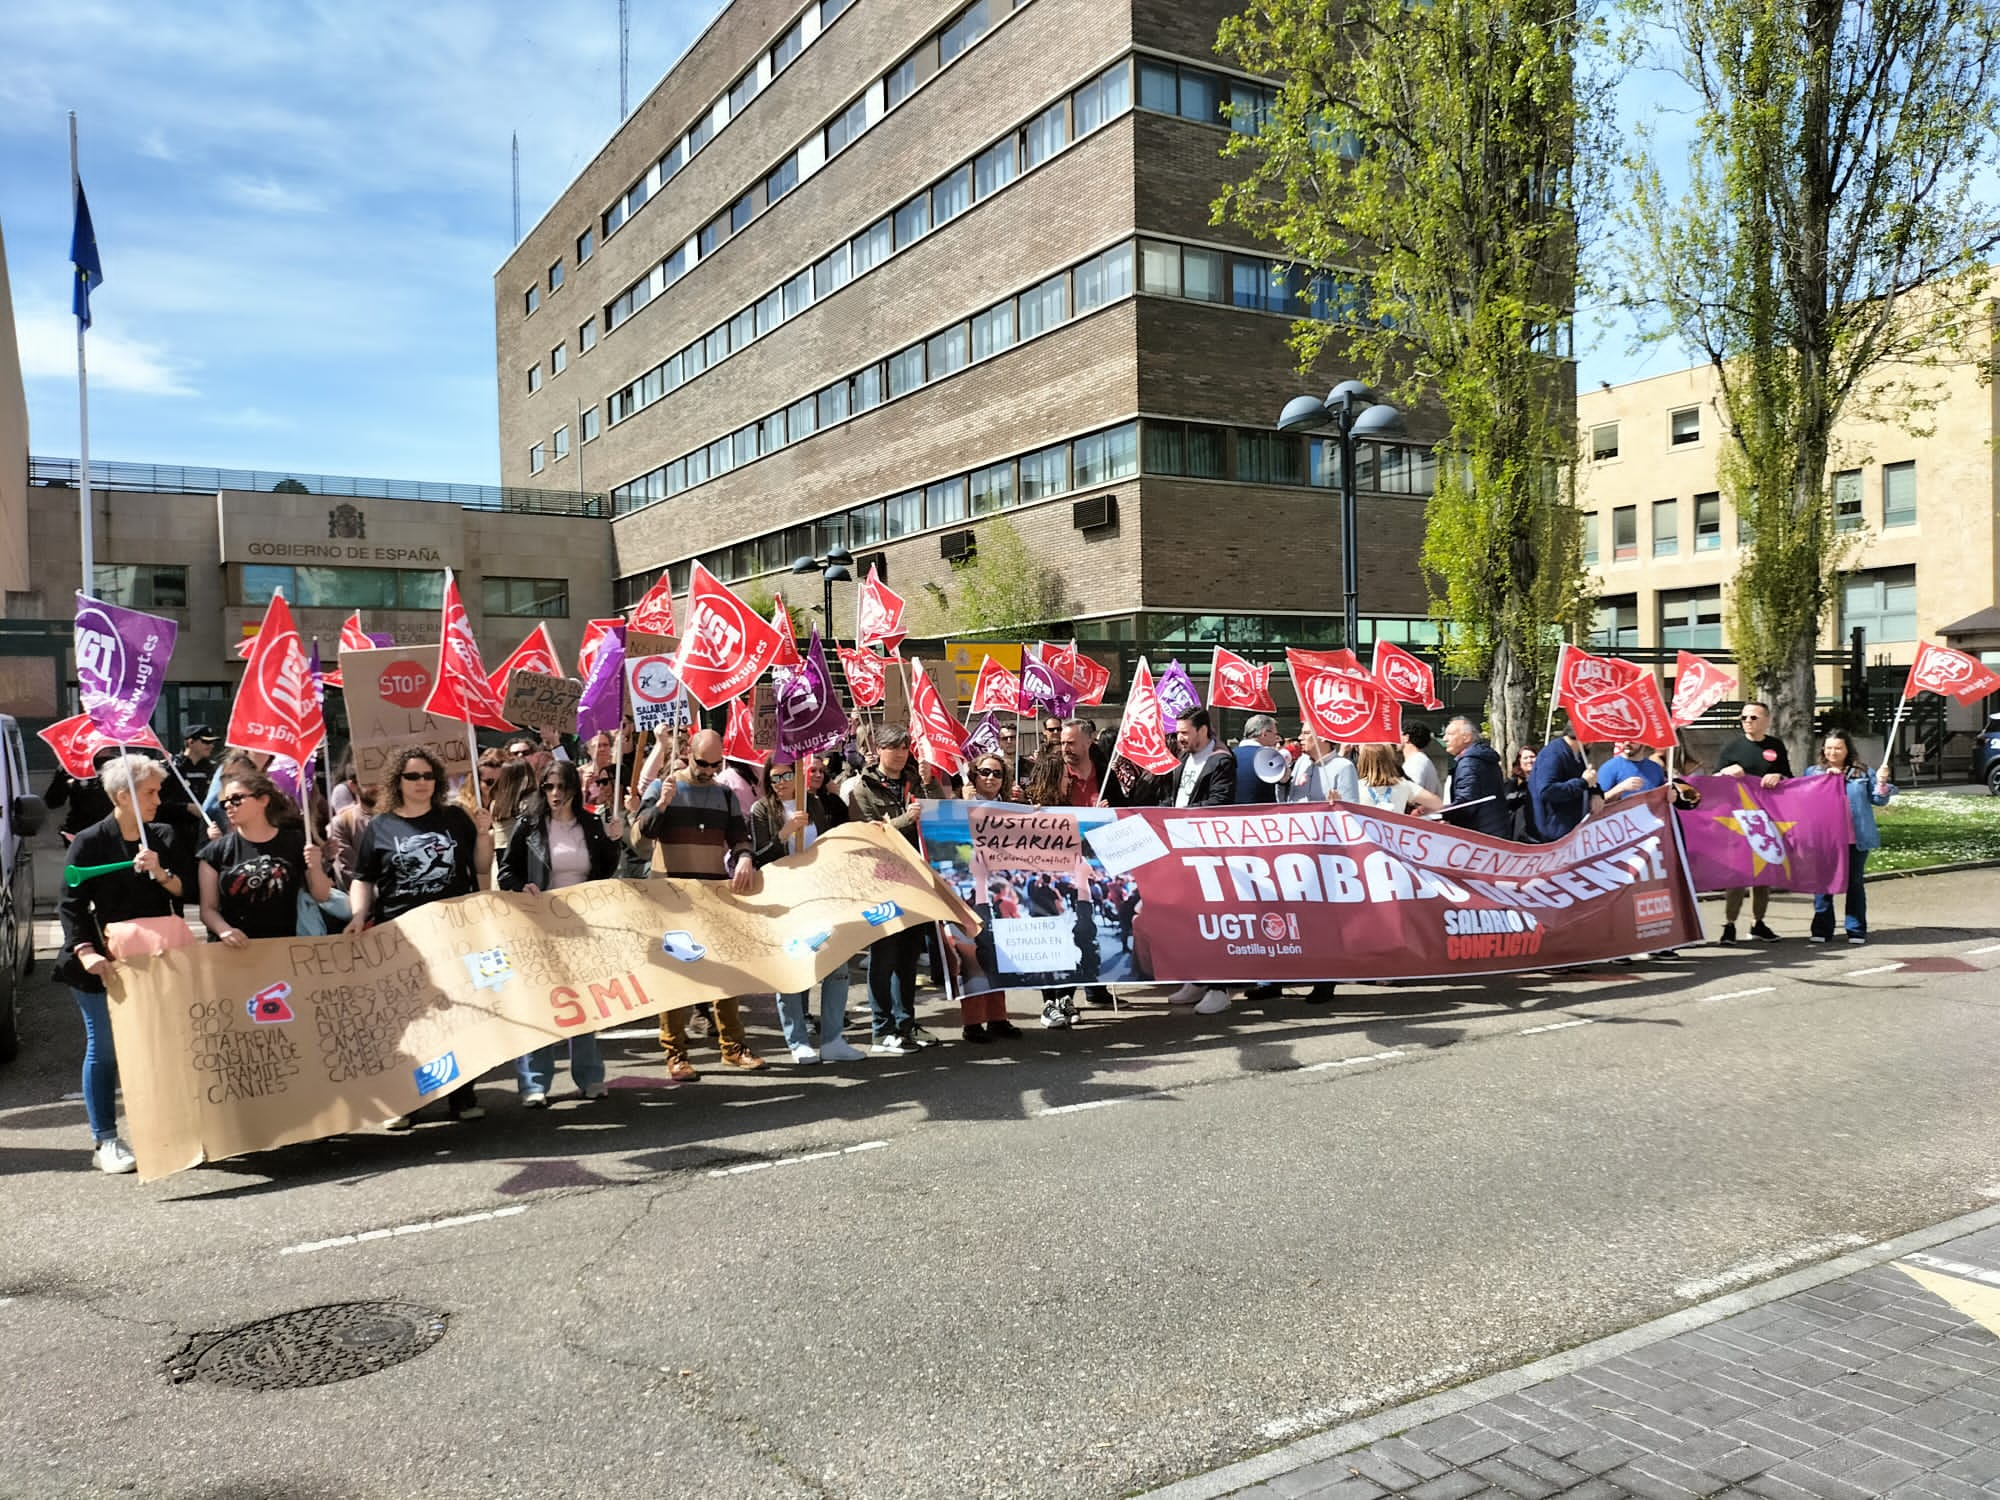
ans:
x=21 y=817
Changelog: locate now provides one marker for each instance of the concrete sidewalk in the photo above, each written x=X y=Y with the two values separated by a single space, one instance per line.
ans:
x=1873 y=1374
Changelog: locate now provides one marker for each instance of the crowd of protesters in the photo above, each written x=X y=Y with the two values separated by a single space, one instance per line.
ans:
x=230 y=841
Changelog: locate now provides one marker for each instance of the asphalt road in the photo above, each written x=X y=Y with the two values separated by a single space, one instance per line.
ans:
x=1254 y=1226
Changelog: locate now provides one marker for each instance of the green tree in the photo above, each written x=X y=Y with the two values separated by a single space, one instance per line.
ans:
x=1826 y=256
x=1432 y=146
x=289 y=487
x=1002 y=586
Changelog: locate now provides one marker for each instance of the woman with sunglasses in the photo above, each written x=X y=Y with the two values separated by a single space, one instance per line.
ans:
x=990 y=781
x=559 y=842
x=775 y=822
x=252 y=875
x=419 y=848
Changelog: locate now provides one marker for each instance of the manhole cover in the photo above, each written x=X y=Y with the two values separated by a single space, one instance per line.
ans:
x=314 y=1346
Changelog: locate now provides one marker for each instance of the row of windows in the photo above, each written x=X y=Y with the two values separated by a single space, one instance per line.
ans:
x=1683 y=430
x=395 y=588
x=1898 y=498
x=822 y=146
x=1211 y=98
x=1881 y=602
x=141 y=585
x=1195 y=450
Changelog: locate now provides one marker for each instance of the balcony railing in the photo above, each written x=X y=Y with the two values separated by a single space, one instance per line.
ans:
x=177 y=479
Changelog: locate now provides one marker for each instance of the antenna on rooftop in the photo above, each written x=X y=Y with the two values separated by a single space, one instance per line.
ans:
x=517 y=187
x=624 y=56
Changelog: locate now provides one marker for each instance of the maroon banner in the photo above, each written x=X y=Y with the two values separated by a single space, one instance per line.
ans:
x=1312 y=892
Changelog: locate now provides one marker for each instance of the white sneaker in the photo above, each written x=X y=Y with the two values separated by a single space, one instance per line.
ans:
x=1213 y=1003
x=804 y=1054
x=592 y=1091
x=838 y=1050
x=114 y=1156
x=1187 y=994
x=535 y=1099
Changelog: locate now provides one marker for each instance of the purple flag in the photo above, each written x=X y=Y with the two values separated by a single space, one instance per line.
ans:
x=1044 y=688
x=810 y=718
x=601 y=709
x=1792 y=836
x=983 y=738
x=121 y=664
x=380 y=637
x=1177 y=693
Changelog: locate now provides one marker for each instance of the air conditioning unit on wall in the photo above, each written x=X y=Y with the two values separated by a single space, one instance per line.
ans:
x=879 y=561
x=1097 y=513
x=957 y=546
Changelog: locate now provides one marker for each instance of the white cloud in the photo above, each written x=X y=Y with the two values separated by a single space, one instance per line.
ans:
x=116 y=363
x=249 y=419
x=268 y=195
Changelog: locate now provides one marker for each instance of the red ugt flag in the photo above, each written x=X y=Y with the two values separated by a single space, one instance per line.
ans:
x=788 y=647
x=1142 y=733
x=1633 y=711
x=865 y=675
x=76 y=740
x=654 y=614
x=998 y=690
x=1085 y=673
x=1408 y=678
x=1234 y=683
x=1579 y=675
x=1344 y=709
x=352 y=638
x=938 y=736
x=1939 y=669
x=593 y=637
x=880 y=611
x=727 y=645
x=1699 y=684
x=739 y=741
x=535 y=654
x=276 y=709
x=462 y=691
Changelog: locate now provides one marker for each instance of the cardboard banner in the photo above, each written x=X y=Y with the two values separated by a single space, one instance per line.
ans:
x=226 y=1050
x=386 y=691
x=1793 y=836
x=1316 y=892
x=540 y=701
x=655 y=693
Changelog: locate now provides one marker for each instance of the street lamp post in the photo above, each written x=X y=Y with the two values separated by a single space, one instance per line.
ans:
x=1353 y=411
x=836 y=567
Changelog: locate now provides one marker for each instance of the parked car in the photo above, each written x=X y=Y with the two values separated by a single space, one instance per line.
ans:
x=1986 y=755
x=21 y=817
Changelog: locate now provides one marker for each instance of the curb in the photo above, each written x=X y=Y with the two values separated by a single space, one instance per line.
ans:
x=1395 y=1419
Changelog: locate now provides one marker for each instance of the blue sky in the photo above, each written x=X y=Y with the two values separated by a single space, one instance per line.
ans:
x=300 y=207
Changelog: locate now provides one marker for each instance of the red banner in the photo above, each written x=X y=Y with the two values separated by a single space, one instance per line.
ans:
x=1407 y=678
x=879 y=615
x=727 y=646
x=1699 y=684
x=1342 y=707
x=461 y=691
x=1304 y=893
x=535 y=654
x=788 y=647
x=739 y=741
x=276 y=709
x=593 y=634
x=1089 y=677
x=1142 y=734
x=654 y=614
x=1234 y=683
x=937 y=736
x=1579 y=675
x=1939 y=669
x=998 y=691
x=866 y=675
x=76 y=740
x=1635 y=711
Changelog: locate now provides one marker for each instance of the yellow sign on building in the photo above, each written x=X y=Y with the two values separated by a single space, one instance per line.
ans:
x=964 y=659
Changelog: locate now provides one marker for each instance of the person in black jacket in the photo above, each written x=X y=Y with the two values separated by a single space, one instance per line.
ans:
x=775 y=823
x=81 y=798
x=1206 y=776
x=1478 y=786
x=159 y=878
x=558 y=842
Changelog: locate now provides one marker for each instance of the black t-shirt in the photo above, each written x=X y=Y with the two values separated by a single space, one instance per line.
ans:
x=258 y=884
x=1756 y=757
x=412 y=861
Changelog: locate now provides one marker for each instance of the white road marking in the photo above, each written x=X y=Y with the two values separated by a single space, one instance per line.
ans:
x=793 y=1161
x=1071 y=1109
x=765 y=1099
x=630 y=1034
x=1349 y=1062
x=1953 y=1267
x=1989 y=948
x=1878 y=969
x=401 y=1229
x=1556 y=1026
x=6 y=1301
x=1388 y=1395
x=1763 y=989
x=1765 y=1266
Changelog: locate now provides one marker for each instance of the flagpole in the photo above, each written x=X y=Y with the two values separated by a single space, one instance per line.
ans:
x=83 y=410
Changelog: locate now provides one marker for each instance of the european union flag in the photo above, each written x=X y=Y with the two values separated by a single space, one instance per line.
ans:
x=83 y=255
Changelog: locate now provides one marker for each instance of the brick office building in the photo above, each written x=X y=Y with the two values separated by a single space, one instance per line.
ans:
x=876 y=272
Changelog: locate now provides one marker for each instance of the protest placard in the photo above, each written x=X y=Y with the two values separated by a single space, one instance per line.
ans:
x=386 y=690
x=540 y=701
x=655 y=693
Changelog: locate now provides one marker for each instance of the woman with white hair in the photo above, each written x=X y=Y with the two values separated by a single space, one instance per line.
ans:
x=153 y=878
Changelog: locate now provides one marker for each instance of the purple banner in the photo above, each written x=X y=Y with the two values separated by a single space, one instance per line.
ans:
x=983 y=738
x=1047 y=689
x=1177 y=693
x=121 y=664
x=810 y=718
x=1793 y=836
x=601 y=709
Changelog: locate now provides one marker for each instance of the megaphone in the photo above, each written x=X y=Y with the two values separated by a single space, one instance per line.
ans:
x=1272 y=764
x=76 y=875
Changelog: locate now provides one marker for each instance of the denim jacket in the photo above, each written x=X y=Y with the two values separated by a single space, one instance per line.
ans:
x=1862 y=799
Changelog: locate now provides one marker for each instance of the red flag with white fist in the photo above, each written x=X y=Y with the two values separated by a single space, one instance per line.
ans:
x=1939 y=669
x=1235 y=683
x=726 y=646
x=1343 y=708
x=1408 y=678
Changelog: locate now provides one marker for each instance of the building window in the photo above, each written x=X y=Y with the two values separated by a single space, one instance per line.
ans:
x=1045 y=473
x=1604 y=442
x=586 y=335
x=586 y=243
x=783 y=179
x=1617 y=625
x=1272 y=458
x=951 y=197
x=1202 y=277
x=589 y=423
x=906 y=370
x=1708 y=522
x=555 y=276
x=558 y=359
x=536 y=459
x=899 y=81
x=969 y=26
x=534 y=377
x=833 y=404
x=1105 y=97
x=1883 y=603
x=802 y=419
x=562 y=441
x=526 y=598
x=944 y=502
x=1666 y=528
x=945 y=353
x=141 y=585
x=1847 y=501
x=905 y=514
x=1899 y=494
x=1691 y=619
x=1185 y=449
x=992 y=489
x=740 y=212
x=789 y=46
x=1684 y=426
x=1625 y=533
x=830 y=272
x=1045 y=307
x=995 y=168
x=872 y=245
x=533 y=300
x=993 y=330
x=868 y=389
x=742 y=92
x=852 y=121
x=1104 y=278
x=1589 y=526
x=913 y=220
x=1107 y=456
x=1159 y=268
x=1046 y=134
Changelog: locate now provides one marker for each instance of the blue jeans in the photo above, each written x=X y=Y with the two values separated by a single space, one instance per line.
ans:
x=892 y=981
x=832 y=1012
x=100 y=1065
x=537 y=1070
x=1857 y=900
